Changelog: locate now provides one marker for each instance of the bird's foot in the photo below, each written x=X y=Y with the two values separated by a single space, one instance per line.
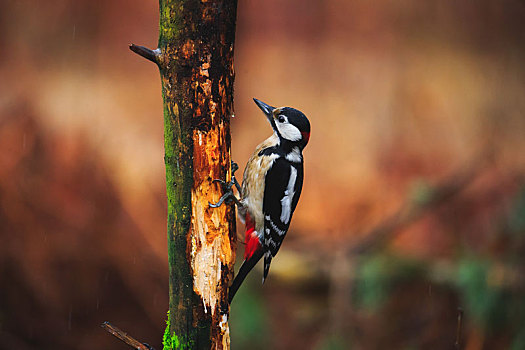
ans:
x=227 y=187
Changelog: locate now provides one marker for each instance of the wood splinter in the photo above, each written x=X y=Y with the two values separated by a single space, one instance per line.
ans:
x=150 y=55
x=125 y=337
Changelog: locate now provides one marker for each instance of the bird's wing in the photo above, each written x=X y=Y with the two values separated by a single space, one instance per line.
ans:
x=281 y=194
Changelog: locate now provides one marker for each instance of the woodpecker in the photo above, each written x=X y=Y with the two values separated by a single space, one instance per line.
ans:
x=271 y=186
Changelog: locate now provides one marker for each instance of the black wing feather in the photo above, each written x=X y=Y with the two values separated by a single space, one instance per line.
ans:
x=277 y=179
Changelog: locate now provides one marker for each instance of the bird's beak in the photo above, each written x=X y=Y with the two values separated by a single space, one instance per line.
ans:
x=267 y=109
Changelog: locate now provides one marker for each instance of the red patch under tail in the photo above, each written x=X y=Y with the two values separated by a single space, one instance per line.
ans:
x=251 y=239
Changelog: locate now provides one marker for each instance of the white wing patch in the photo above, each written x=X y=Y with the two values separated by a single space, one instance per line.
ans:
x=286 y=202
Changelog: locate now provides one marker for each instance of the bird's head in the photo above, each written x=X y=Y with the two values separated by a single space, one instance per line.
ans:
x=290 y=124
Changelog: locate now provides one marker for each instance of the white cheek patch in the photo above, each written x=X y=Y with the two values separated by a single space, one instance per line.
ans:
x=288 y=131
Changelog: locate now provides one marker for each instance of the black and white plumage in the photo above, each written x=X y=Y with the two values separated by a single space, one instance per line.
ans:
x=272 y=184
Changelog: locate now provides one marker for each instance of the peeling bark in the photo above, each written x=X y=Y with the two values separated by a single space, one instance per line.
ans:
x=195 y=59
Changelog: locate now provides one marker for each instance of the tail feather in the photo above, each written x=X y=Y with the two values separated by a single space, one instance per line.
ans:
x=246 y=267
x=267 y=262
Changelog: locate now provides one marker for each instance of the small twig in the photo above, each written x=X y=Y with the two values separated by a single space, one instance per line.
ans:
x=457 y=344
x=125 y=337
x=151 y=55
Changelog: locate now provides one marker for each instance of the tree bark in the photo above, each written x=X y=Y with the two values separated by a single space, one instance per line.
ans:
x=195 y=59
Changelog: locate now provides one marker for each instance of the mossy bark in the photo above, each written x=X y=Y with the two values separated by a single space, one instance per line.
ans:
x=195 y=58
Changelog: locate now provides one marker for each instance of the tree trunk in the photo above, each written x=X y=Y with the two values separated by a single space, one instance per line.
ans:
x=195 y=58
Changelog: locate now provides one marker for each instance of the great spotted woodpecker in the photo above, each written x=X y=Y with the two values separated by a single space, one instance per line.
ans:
x=271 y=186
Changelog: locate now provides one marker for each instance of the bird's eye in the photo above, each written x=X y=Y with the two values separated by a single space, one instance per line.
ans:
x=281 y=119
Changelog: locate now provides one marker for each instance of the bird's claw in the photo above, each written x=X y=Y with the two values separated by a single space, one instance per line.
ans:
x=221 y=200
x=228 y=188
x=235 y=167
x=222 y=182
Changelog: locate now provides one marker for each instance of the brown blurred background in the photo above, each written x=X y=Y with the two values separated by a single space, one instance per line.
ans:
x=414 y=200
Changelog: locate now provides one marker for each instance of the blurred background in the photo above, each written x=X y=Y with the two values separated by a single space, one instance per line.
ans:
x=412 y=215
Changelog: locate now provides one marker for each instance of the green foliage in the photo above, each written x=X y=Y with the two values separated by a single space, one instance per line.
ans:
x=519 y=341
x=333 y=343
x=378 y=274
x=484 y=301
x=517 y=214
x=248 y=317
x=491 y=303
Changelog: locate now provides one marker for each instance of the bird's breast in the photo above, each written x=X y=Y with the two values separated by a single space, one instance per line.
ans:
x=253 y=187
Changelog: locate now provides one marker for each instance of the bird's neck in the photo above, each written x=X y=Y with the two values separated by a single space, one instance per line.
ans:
x=288 y=146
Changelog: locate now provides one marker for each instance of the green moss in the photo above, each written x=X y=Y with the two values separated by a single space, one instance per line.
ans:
x=179 y=181
x=172 y=341
x=170 y=21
